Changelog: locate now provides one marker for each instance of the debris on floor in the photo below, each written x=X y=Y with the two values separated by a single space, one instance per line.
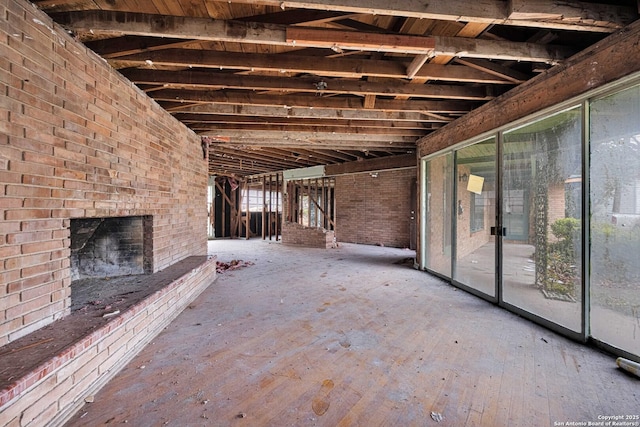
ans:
x=436 y=416
x=629 y=366
x=221 y=267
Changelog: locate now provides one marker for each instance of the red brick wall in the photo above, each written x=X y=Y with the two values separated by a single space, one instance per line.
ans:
x=375 y=210
x=312 y=237
x=78 y=140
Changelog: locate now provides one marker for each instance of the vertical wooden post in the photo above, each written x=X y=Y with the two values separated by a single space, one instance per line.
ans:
x=223 y=191
x=333 y=204
x=270 y=201
x=325 y=204
x=277 y=207
x=300 y=196
x=248 y=220
x=264 y=209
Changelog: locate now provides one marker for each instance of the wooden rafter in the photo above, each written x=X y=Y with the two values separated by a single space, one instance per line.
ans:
x=108 y=23
x=565 y=15
x=315 y=85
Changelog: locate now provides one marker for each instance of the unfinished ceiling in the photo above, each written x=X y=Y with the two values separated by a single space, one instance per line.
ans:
x=273 y=85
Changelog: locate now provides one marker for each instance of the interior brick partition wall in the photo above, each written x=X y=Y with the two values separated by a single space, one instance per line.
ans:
x=79 y=140
x=375 y=210
x=312 y=237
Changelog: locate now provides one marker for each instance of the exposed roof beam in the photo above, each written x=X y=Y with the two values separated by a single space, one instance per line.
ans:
x=191 y=118
x=105 y=23
x=316 y=143
x=392 y=162
x=129 y=45
x=331 y=67
x=213 y=80
x=114 y=23
x=416 y=64
x=300 y=112
x=220 y=152
x=265 y=129
x=354 y=137
x=229 y=97
x=495 y=69
x=298 y=16
x=565 y=15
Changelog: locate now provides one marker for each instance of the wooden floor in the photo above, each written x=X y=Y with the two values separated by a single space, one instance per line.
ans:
x=354 y=337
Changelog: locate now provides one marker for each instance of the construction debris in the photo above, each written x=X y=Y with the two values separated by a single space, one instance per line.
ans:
x=436 y=416
x=235 y=264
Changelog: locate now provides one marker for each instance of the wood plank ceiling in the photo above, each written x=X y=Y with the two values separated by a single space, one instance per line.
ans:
x=273 y=85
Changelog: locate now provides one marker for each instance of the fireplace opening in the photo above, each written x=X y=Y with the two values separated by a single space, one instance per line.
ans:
x=107 y=254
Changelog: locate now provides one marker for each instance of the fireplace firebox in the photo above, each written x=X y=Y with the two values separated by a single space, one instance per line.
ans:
x=110 y=247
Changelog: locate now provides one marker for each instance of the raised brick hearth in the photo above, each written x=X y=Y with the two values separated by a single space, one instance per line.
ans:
x=53 y=370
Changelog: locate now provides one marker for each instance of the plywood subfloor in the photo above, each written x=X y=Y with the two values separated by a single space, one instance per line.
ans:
x=354 y=337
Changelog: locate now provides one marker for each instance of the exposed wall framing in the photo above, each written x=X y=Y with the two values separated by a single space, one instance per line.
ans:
x=263 y=201
x=311 y=202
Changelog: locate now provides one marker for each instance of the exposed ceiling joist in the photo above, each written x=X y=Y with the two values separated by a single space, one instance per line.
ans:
x=330 y=67
x=315 y=85
x=298 y=112
x=558 y=14
x=239 y=121
x=108 y=23
x=277 y=84
x=315 y=102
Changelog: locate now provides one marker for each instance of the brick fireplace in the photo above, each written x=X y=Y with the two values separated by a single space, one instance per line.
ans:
x=108 y=247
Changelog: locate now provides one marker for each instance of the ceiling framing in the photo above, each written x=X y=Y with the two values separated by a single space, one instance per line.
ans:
x=272 y=85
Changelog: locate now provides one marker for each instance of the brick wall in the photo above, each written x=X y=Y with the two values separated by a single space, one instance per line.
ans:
x=375 y=210
x=311 y=237
x=78 y=140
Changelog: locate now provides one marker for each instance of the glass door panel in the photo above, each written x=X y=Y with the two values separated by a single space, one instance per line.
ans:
x=615 y=219
x=475 y=215
x=541 y=208
x=439 y=187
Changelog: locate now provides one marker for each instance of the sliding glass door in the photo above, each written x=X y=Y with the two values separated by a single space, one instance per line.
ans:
x=475 y=215
x=615 y=219
x=543 y=218
x=439 y=193
x=541 y=207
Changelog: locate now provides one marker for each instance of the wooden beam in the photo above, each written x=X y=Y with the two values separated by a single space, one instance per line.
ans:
x=357 y=40
x=332 y=67
x=557 y=11
x=416 y=64
x=306 y=112
x=129 y=45
x=612 y=58
x=496 y=69
x=340 y=131
x=382 y=163
x=213 y=80
x=608 y=18
x=324 y=142
x=298 y=16
x=313 y=134
x=242 y=98
x=109 y=23
x=239 y=121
